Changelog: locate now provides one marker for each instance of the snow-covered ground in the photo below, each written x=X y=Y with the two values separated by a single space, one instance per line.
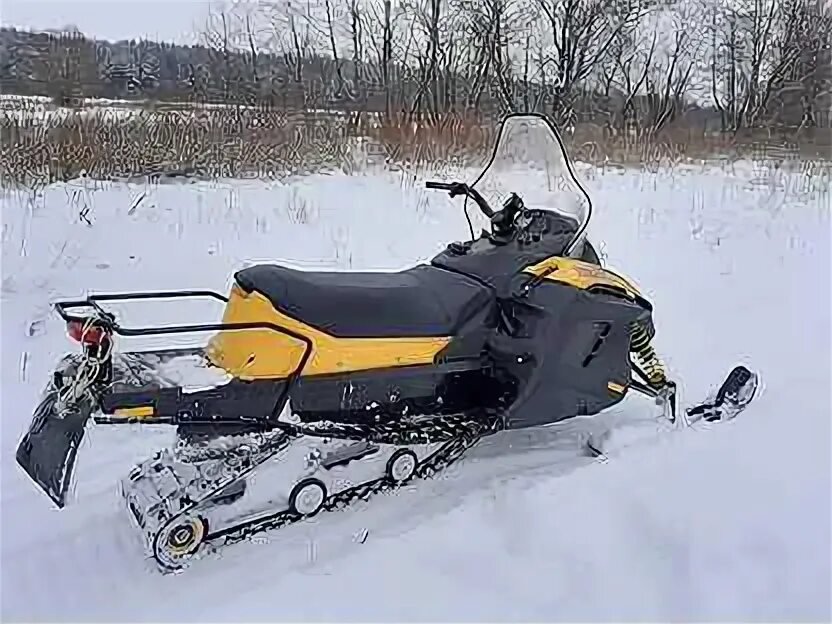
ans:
x=726 y=523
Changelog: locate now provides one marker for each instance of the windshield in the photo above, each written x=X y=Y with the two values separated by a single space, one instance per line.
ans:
x=529 y=159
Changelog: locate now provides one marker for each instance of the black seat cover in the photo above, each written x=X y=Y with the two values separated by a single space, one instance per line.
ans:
x=422 y=301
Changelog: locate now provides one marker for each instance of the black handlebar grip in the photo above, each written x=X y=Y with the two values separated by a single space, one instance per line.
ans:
x=441 y=186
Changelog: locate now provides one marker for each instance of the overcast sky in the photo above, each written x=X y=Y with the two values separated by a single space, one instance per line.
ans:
x=163 y=20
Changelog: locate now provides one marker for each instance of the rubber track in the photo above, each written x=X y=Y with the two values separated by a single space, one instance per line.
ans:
x=461 y=432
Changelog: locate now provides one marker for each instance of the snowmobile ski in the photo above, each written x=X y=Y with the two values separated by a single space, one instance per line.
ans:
x=733 y=396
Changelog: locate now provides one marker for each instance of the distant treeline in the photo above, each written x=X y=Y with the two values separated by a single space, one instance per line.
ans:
x=68 y=66
x=769 y=66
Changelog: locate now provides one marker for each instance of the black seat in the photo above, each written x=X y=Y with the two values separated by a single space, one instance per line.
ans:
x=422 y=301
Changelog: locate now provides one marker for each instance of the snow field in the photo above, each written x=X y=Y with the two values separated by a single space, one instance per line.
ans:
x=728 y=523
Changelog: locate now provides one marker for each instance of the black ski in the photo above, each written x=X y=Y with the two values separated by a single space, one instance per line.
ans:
x=735 y=394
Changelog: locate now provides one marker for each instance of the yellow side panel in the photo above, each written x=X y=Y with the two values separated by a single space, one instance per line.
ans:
x=262 y=353
x=135 y=412
x=580 y=274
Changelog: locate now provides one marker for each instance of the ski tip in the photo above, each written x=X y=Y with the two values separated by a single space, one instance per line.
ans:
x=735 y=393
x=739 y=387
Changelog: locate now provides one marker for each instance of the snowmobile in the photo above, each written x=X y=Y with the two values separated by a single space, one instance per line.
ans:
x=317 y=389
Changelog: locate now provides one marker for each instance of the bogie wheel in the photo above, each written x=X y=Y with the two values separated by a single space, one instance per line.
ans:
x=307 y=497
x=402 y=466
x=181 y=540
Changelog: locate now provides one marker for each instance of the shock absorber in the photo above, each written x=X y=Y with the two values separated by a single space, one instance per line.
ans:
x=646 y=357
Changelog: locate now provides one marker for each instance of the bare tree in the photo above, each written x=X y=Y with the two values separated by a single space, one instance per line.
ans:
x=356 y=27
x=426 y=23
x=756 y=48
x=499 y=35
x=286 y=14
x=253 y=50
x=390 y=38
x=630 y=58
x=582 y=33
x=334 y=48
x=500 y=11
x=478 y=51
x=811 y=74
x=217 y=37
x=668 y=75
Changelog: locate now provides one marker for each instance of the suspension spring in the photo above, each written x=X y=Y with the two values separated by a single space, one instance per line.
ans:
x=646 y=356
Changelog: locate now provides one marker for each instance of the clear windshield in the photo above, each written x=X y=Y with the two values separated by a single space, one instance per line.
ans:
x=529 y=159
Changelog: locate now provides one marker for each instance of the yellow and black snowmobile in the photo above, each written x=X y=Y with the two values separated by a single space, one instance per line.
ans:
x=329 y=387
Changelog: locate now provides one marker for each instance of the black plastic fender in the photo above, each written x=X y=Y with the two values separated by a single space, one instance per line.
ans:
x=48 y=451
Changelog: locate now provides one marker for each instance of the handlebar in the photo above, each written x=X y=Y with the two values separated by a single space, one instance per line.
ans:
x=441 y=186
x=460 y=188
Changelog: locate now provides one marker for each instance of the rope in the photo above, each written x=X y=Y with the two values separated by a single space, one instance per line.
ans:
x=88 y=369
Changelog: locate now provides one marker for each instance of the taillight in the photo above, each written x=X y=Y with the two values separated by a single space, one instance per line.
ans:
x=93 y=335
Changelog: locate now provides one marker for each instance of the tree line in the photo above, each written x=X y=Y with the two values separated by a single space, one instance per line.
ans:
x=632 y=65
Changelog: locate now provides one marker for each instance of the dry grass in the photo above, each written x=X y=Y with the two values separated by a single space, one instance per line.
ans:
x=206 y=143
x=230 y=142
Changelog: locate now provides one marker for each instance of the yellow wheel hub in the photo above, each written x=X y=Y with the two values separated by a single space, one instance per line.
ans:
x=185 y=537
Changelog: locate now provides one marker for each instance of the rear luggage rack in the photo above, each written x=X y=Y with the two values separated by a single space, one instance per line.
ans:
x=106 y=321
x=132 y=384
